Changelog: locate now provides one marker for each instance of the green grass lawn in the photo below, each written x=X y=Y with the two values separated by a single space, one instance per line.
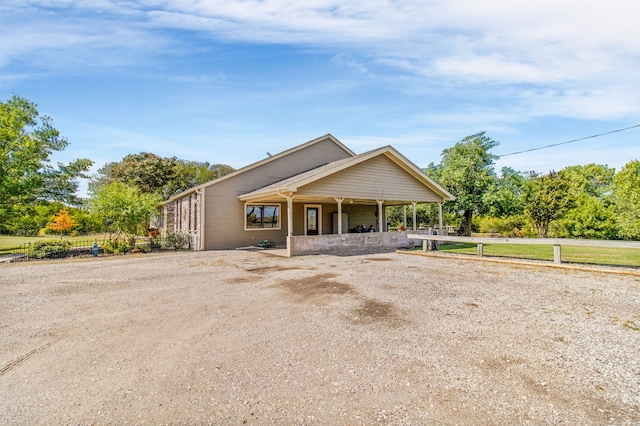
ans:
x=577 y=254
x=9 y=243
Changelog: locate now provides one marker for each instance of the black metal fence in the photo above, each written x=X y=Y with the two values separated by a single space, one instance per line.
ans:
x=62 y=249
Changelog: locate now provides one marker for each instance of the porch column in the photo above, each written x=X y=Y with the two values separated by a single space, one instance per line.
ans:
x=415 y=215
x=440 y=215
x=405 y=216
x=289 y=215
x=339 y=200
x=380 y=215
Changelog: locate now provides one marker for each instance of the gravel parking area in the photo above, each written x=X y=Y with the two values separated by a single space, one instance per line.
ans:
x=247 y=338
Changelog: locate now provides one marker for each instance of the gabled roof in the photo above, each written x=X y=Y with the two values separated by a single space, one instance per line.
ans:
x=262 y=162
x=291 y=185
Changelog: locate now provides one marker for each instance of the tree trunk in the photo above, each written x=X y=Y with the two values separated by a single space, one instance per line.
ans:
x=465 y=227
x=543 y=229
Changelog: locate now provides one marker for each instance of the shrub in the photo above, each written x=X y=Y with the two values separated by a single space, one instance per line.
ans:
x=50 y=249
x=154 y=243
x=512 y=226
x=115 y=246
x=178 y=240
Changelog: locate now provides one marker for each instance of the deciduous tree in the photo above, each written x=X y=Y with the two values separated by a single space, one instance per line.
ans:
x=154 y=174
x=467 y=172
x=626 y=195
x=126 y=208
x=146 y=171
x=592 y=215
x=27 y=140
x=546 y=198
x=503 y=196
x=62 y=222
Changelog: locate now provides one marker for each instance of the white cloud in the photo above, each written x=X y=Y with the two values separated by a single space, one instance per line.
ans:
x=571 y=58
x=519 y=40
x=350 y=62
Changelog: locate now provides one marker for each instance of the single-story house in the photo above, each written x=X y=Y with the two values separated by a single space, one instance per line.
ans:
x=318 y=197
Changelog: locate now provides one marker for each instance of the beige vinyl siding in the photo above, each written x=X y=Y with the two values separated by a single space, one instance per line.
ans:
x=224 y=222
x=376 y=179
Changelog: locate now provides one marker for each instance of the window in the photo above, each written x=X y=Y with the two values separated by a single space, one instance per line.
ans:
x=262 y=216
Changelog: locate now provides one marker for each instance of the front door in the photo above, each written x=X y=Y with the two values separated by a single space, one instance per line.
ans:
x=312 y=220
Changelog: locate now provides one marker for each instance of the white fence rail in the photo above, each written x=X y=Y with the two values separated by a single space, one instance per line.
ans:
x=557 y=243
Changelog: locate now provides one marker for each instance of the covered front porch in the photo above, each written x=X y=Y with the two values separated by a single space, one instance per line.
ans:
x=341 y=207
x=339 y=225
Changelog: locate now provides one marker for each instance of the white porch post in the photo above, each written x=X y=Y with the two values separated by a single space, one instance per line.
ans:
x=339 y=200
x=289 y=215
x=380 y=215
x=415 y=215
x=440 y=214
x=405 y=216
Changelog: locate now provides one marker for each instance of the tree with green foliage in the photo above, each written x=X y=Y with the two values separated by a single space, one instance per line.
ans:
x=503 y=196
x=589 y=218
x=467 y=172
x=154 y=174
x=145 y=171
x=546 y=198
x=27 y=140
x=125 y=208
x=626 y=196
x=592 y=179
x=592 y=215
x=194 y=173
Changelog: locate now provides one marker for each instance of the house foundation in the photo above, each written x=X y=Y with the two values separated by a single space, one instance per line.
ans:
x=349 y=244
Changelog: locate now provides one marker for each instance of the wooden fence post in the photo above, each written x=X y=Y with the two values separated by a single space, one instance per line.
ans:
x=557 y=258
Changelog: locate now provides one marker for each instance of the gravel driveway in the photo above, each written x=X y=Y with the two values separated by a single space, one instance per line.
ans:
x=248 y=338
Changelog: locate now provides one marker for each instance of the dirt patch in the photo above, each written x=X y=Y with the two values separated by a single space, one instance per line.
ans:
x=260 y=269
x=242 y=280
x=371 y=311
x=314 y=287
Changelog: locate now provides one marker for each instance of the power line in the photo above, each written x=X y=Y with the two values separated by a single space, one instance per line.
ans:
x=571 y=141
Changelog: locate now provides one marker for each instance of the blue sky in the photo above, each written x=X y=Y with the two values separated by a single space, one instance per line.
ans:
x=227 y=81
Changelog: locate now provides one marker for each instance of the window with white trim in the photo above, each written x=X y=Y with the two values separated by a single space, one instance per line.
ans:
x=262 y=216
